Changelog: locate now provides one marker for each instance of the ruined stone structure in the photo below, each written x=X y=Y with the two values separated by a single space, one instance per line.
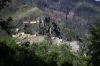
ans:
x=34 y=31
x=42 y=29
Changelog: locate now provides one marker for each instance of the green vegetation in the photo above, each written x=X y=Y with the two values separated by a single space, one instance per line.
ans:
x=38 y=54
x=25 y=13
x=20 y=11
x=13 y=55
x=43 y=54
x=6 y=25
x=70 y=34
x=94 y=47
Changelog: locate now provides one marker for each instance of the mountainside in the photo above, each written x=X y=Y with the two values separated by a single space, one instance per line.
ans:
x=49 y=32
x=76 y=14
x=74 y=17
x=25 y=11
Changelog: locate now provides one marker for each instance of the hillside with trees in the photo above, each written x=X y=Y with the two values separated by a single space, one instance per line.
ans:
x=74 y=14
x=80 y=16
x=39 y=54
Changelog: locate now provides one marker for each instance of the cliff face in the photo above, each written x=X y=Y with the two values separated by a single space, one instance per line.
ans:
x=76 y=14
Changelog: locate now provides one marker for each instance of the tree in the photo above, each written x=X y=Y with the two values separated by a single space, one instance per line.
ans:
x=40 y=49
x=13 y=55
x=94 y=47
x=6 y=25
x=6 y=54
x=52 y=59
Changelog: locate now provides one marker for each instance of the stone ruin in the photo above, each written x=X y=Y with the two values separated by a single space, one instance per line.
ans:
x=40 y=28
x=43 y=29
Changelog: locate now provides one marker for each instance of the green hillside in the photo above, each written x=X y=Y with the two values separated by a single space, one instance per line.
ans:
x=20 y=11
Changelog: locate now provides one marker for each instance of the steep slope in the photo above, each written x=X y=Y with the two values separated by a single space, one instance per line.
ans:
x=76 y=14
x=18 y=10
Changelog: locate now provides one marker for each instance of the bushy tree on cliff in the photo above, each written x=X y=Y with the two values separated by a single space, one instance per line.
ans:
x=6 y=25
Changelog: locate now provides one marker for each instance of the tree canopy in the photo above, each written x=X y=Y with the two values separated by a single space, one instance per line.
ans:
x=94 y=47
